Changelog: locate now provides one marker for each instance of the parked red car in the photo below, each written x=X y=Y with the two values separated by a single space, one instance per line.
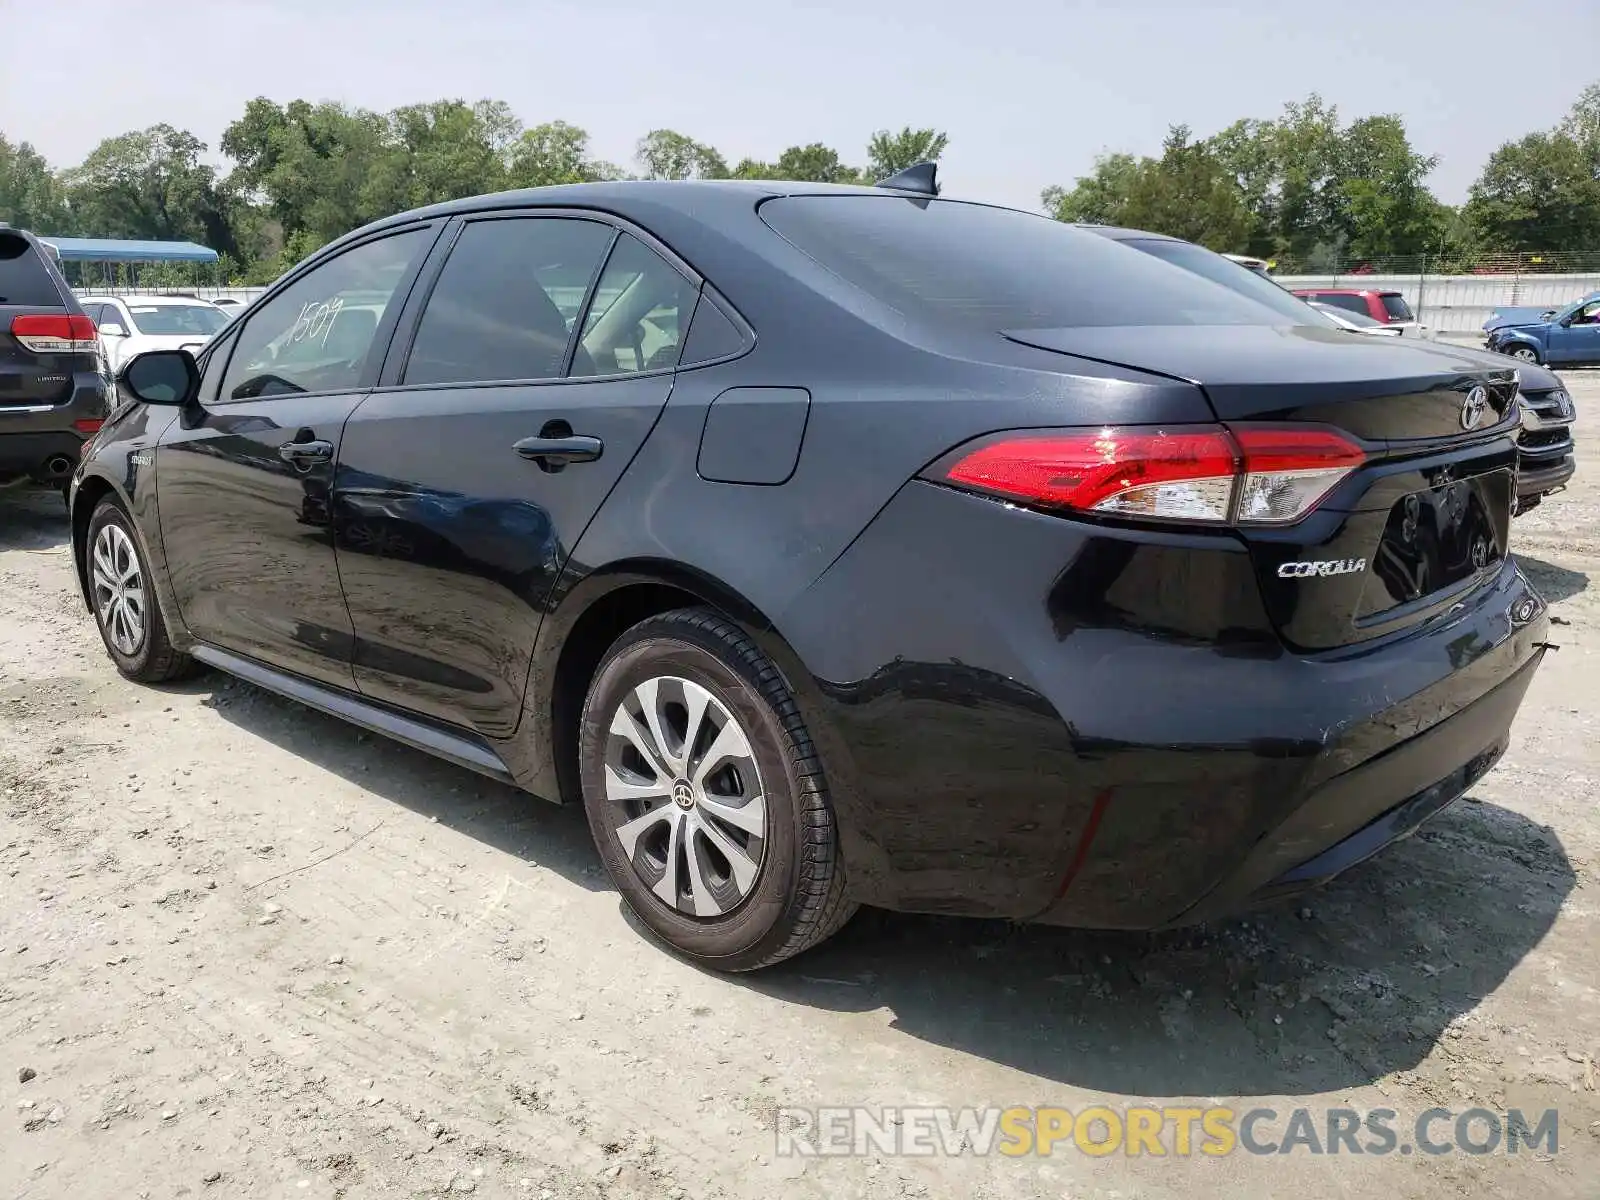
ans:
x=1388 y=307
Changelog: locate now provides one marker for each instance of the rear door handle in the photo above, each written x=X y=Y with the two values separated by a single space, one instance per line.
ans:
x=305 y=453
x=553 y=453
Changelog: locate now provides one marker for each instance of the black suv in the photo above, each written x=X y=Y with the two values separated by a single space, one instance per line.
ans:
x=54 y=394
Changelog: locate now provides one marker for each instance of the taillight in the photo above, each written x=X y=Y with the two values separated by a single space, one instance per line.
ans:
x=88 y=424
x=55 y=334
x=1247 y=475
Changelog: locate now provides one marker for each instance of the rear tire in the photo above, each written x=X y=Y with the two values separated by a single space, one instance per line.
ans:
x=705 y=795
x=122 y=595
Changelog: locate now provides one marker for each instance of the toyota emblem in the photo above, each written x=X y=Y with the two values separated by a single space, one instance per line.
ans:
x=1474 y=406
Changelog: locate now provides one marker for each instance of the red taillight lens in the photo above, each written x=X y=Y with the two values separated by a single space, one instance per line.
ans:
x=55 y=334
x=88 y=424
x=1249 y=475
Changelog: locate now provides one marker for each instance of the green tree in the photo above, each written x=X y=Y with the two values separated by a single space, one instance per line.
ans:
x=1186 y=193
x=31 y=194
x=555 y=152
x=439 y=151
x=1100 y=198
x=150 y=184
x=1539 y=193
x=668 y=154
x=1542 y=192
x=312 y=166
x=814 y=163
x=890 y=152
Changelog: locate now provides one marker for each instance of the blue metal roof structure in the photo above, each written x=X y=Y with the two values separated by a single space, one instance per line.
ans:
x=121 y=250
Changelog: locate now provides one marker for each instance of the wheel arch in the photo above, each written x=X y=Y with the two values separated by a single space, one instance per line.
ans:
x=85 y=499
x=583 y=624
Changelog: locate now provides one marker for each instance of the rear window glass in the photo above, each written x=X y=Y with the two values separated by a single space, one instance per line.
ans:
x=24 y=279
x=1397 y=308
x=981 y=268
x=177 y=319
x=1355 y=304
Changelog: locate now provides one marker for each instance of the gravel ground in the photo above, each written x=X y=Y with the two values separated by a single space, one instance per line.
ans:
x=246 y=950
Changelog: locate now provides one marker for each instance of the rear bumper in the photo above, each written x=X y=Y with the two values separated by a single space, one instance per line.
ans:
x=1540 y=476
x=1028 y=717
x=34 y=441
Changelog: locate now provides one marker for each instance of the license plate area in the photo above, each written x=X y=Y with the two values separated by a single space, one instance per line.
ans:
x=1436 y=539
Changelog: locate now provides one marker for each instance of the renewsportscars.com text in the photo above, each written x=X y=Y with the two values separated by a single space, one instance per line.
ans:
x=1176 y=1131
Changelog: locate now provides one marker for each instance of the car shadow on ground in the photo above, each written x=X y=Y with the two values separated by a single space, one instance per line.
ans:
x=33 y=518
x=1332 y=991
x=505 y=818
x=1554 y=583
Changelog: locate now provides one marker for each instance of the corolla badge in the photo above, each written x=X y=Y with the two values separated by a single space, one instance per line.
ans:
x=1321 y=567
x=1474 y=406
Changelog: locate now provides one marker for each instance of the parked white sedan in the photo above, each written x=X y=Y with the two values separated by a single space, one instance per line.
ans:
x=131 y=325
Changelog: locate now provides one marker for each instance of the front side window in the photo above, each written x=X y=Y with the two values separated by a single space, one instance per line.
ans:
x=1589 y=314
x=974 y=268
x=163 y=320
x=507 y=300
x=640 y=310
x=316 y=334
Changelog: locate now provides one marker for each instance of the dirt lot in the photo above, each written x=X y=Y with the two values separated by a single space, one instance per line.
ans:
x=249 y=951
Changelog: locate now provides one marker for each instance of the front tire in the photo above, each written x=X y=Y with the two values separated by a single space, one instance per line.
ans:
x=1526 y=354
x=705 y=795
x=122 y=594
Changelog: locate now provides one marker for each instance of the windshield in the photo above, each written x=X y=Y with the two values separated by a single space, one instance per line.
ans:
x=977 y=268
x=1395 y=305
x=177 y=319
x=1230 y=274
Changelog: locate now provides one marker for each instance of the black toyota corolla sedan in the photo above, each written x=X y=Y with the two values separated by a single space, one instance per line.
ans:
x=838 y=545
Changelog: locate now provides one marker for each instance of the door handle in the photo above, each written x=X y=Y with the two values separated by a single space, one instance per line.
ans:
x=303 y=454
x=553 y=453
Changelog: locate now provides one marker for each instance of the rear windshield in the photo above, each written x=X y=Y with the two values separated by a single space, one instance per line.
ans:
x=1235 y=276
x=23 y=276
x=1395 y=305
x=1355 y=304
x=992 y=269
x=177 y=318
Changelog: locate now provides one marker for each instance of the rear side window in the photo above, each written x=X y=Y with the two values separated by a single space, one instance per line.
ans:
x=24 y=279
x=507 y=300
x=636 y=320
x=977 y=268
x=712 y=335
x=1395 y=305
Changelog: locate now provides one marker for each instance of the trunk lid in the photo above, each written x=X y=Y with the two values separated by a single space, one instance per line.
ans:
x=1421 y=523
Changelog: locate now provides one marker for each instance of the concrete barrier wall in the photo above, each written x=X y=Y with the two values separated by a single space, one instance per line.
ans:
x=1460 y=303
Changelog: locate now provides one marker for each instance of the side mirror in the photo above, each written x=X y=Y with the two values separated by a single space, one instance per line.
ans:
x=1566 y=322
x=112 y=329
x=161 y=377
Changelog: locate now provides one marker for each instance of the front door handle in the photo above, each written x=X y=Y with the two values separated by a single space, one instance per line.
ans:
x=303 y=454
x=553 y=453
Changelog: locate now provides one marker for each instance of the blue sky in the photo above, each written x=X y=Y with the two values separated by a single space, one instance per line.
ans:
x=1030 y=91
